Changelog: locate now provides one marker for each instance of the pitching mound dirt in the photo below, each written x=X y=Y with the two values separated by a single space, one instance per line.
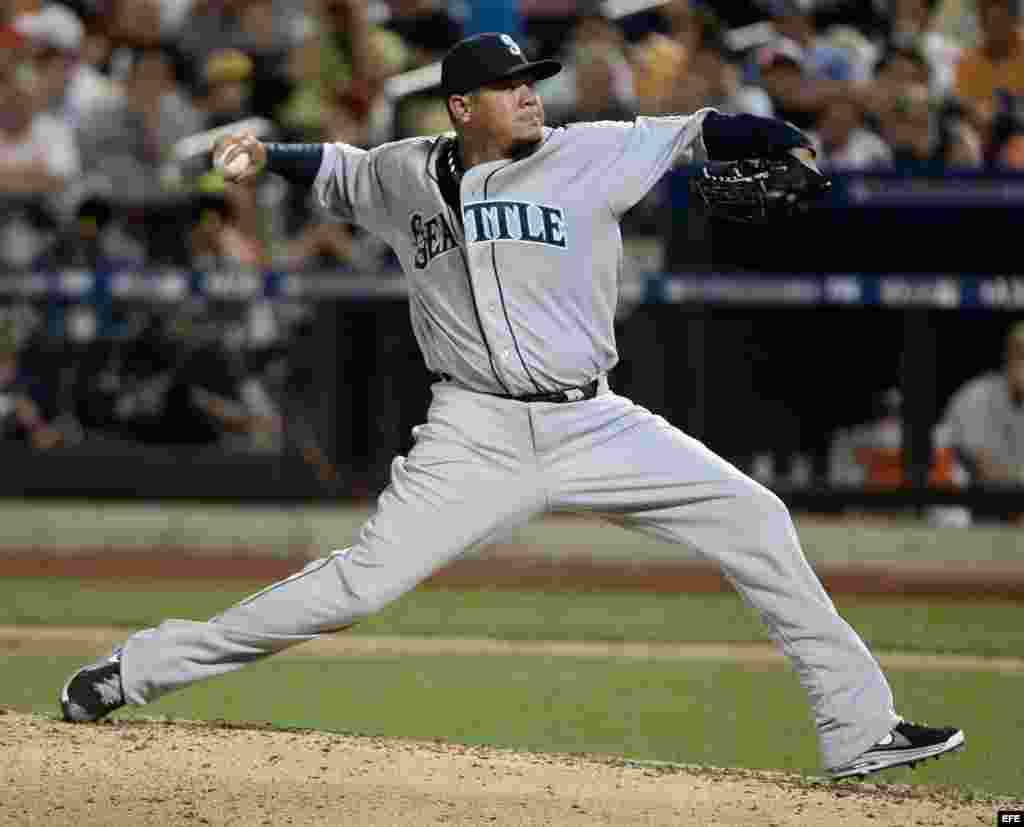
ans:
x=175 y=773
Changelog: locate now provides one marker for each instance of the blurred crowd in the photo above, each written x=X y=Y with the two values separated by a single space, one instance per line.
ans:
x=192 y=376
x=96 y=94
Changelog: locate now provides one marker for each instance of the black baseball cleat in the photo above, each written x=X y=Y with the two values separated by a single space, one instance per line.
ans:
x=906 y=745
x=93 y=691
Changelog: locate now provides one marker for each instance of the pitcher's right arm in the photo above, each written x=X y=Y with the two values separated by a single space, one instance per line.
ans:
x=344 y=178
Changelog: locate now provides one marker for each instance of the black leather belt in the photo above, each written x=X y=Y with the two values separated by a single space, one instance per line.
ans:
x=578 y=394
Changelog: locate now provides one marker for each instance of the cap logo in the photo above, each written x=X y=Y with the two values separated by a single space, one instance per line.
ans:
x=513 y=47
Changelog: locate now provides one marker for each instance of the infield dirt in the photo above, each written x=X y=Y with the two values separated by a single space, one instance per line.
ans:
x=174 y=773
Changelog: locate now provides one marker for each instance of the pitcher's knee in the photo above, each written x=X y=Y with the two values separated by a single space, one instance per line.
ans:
x=762 y=510
x=355 y=604
x=362 y=597
x=362 y=607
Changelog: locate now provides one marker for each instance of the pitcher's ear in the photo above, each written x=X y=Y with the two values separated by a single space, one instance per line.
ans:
x=460 y=107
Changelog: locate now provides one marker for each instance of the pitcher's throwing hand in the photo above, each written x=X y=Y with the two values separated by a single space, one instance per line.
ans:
x=239 y=158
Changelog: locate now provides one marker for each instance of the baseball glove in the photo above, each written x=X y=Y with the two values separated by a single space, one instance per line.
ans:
x=758 y=190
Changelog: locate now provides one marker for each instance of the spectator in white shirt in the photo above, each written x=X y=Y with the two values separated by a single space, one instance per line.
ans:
x=38 y=155
x=986 y=418
x=70 y=86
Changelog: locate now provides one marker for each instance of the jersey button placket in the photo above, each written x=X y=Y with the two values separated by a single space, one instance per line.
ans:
x=489 y=308
x=494 y=319
x=489 y=300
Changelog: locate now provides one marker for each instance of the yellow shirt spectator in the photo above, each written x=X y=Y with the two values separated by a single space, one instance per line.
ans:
x=978 y=75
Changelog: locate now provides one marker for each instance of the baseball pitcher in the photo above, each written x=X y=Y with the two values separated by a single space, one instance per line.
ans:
x=508 y=232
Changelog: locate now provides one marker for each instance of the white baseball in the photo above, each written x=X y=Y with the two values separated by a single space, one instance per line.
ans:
x=237 y=165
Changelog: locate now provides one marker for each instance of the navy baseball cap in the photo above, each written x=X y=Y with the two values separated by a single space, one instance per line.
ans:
x=486 y=58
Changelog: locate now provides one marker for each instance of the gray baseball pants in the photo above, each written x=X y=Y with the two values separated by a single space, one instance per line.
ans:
x=482 y=465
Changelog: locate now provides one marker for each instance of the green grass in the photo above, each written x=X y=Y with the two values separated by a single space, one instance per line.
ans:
x=693 y=712
x=935 y=626
x=699 y=712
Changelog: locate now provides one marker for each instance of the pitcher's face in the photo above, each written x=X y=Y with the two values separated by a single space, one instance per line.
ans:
x=509 y=111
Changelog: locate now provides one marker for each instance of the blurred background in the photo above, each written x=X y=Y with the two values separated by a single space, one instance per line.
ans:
x=163 y=335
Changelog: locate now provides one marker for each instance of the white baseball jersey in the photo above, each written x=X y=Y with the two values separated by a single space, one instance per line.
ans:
x=518 y=294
